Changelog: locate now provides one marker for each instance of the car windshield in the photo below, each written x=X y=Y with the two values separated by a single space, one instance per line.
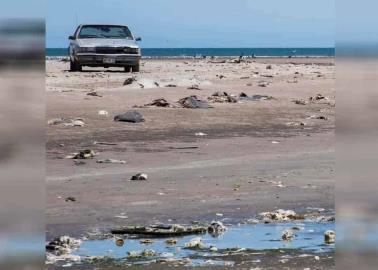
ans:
x=103 y=31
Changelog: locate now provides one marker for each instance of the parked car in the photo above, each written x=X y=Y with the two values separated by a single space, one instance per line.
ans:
x=104 y=46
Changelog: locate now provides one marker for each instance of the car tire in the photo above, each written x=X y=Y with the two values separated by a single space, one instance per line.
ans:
x=136 y=68
x=75 y=66
x=127 y=69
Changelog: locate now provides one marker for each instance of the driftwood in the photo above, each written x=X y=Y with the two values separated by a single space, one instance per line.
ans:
x=161 y=230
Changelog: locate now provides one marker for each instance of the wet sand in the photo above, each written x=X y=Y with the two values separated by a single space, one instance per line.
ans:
x=255 y=157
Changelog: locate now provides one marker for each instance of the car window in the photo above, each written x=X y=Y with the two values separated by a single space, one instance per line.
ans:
x=101 y=31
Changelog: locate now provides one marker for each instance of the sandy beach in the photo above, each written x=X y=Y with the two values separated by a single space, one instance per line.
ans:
x=234 y=160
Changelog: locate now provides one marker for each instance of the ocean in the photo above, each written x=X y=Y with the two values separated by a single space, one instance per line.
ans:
x=198 y=52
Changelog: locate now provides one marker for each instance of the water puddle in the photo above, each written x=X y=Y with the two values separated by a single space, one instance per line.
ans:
x=309 y=238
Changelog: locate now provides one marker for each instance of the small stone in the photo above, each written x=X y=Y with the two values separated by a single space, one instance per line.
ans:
x=329 y=237
x=139 y=177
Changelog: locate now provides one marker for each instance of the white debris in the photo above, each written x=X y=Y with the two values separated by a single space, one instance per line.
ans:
x=103 y=113
x=195 y=243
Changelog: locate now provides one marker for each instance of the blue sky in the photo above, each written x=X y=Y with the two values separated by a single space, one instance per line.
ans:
x=201 y=23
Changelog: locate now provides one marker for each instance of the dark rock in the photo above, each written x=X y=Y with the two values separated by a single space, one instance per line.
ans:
x=193 y=102
x=130 y=117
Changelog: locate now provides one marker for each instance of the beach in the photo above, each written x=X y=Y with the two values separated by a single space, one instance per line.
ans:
x=229 y=162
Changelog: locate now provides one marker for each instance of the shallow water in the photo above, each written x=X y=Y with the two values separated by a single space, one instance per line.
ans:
x=310 y=238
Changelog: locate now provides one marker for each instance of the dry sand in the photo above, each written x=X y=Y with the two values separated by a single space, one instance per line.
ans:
x=255 y=146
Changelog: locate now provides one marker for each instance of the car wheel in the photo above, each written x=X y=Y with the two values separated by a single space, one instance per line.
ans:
x=127 y=69
x=75 y=66
x=136 y=68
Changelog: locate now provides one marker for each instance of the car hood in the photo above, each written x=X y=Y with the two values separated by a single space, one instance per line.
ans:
x=107 y=42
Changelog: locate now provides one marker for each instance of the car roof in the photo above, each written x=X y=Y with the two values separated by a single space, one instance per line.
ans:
x=102 y=25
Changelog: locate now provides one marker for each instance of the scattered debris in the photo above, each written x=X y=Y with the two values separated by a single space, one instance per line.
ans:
x=216 y=228
x=222 y=97
x=263 y=84
x=103 y=113
x=183 y=147
x=171 y=85
x=120 y=242
x=244 y=96
x=329 y=237
x=93 y=94
x=85 y=154
x=103 y=143
x=300 y=102
x=162 y=230
x=79 y=162
x=144 y=253
x=287 y=235
x=77 y=122
x=160 y=102
x=252 y=221
x=221 y=76
x=317 y=98
x=269 y=67
x=129 y=81
x=171 y=242
x=319 y=117
x=200 y=134
x=146 y=241
x=130 y=117
x=281 y=215
x=109 y=161
x=139 y=177
x=213 y=249
x=195 y=243
x=62 y=245
x=193 y=102
x=194 y=87
x=70 y=199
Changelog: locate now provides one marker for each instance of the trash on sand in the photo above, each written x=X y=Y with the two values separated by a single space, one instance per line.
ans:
x=160 y=102
x=79 y=162
x=195 y=243
x=318 y=97
x=62 y=245
x=329 y=237
x=216 y=228
x=77 y=122
x=161 y=230
x=103 y=143
x=281 y=215
x=103 y=113
x=130 y=117
x=129 y=81
x=171 y=85
x=70 y=199
x=222 y=97
x=263 y=84
x=221 y=76
x=183 y=147
x=200 y=134
x=93 y=94
x=319 y=117
x=109 y=161
x=287 y=235
x=244 y=96
x=300 y=102
x=85 y=154
x=139 y=177
x=194 y=87
x=193 y=102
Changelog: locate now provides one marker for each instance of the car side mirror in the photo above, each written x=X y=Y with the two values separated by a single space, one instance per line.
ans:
x=71 y=38
x=138 y=39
